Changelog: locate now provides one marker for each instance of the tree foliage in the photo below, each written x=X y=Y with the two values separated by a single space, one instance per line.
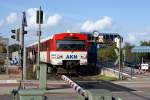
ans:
x=107 y=53
x=3 y=49
x=146 y=56
x=145 y=43
x=130 y=57
x=13 y=48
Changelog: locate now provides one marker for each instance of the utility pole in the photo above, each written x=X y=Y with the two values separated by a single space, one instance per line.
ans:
x=7 y=55
x=24 y=64
x=22 y=48
x=23 y=32
x=124 y=58
x=120 y=58
x=19 y=36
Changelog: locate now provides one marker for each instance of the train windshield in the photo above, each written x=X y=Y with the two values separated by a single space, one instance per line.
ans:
x=71 y=45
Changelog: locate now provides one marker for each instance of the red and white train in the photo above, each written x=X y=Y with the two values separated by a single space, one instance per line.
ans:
x=66 y=50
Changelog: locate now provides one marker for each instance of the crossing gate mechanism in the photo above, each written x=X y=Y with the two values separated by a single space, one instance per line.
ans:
x=91 y=94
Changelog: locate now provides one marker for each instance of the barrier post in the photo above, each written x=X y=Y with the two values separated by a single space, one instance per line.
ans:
x=43 y=76
x=99 y=94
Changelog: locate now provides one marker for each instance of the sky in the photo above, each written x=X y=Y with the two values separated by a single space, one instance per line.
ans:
x=129 y=18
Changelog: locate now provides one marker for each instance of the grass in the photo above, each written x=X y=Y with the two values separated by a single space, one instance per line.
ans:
x=100 y=77
x=108 y=78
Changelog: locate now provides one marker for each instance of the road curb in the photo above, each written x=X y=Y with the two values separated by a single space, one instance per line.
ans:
x=9 y=81
x=29 y=81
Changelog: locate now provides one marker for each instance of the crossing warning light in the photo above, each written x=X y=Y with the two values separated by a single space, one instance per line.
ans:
x=39 y=17
x=16 y=34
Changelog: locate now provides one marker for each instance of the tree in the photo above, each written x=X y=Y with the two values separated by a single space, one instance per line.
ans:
x=130 y=57
x=146 y=56
x=13 y=48
x=107 y=53
x=144 y=43
x=3 y=49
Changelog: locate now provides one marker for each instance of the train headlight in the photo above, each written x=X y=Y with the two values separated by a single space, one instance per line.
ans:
x=59 y=56
x=71 y=34
x=56 y=56
x=83 y=56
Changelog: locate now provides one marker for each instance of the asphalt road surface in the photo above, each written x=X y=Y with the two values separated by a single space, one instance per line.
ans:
x=58 y=90
x=141 y=90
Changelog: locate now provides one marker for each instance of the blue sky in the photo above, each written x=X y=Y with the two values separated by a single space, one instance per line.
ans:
x=129 y=18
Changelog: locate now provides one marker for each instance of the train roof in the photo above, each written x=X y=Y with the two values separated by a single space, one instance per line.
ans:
x=50 y=37
x=42 y=40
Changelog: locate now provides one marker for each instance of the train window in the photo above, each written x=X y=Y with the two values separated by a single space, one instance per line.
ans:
x=41 y=47
x=44 y=46
x=71 y=45
x=47 y=45
x=36 y=47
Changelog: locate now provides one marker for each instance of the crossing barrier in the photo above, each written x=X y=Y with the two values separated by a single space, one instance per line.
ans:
x=91 y=94
x=75 y=86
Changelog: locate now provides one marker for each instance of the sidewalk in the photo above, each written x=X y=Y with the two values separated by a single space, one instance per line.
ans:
x=144 y=76
x=10 y=76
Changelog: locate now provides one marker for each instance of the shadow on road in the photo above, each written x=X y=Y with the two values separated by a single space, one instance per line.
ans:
x=104 y=85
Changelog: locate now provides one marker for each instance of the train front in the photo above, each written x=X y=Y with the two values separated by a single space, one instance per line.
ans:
x=70 y=50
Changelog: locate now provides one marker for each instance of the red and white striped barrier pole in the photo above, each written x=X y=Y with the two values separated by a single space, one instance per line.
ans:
x=75 y=86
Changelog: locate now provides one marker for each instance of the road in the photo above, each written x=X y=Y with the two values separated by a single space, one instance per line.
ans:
x=58 y=90
x=140 y=90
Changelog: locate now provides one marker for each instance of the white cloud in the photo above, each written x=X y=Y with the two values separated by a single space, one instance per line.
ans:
x=132 y=37
x=49 y=21
x=100 y=24
x=53 y=20
x=11 y=18
x=31 y=18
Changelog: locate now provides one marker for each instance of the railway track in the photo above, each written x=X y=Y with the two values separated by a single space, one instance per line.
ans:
x=89 y=70
x=82 y=72
x=57 y=76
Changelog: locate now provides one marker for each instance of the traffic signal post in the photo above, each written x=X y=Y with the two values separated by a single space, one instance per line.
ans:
x=39 y=21
x=118 y=53
x=23 y=32
x=18 y=35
